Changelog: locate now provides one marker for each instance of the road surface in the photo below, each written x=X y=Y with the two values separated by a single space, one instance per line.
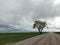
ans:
x=45 y=39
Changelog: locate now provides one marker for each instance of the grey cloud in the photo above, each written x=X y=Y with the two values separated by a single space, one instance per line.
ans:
x=47 y=9
x=26 y=11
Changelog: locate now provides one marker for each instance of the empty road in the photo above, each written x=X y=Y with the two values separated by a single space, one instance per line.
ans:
x=45 y=39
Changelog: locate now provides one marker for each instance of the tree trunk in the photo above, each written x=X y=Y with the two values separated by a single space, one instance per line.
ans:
x=39 y=31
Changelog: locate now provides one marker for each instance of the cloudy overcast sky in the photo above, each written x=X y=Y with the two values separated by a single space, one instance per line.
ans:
x=22 y=13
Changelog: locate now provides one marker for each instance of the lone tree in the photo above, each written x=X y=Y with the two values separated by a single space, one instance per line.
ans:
x=39 y=25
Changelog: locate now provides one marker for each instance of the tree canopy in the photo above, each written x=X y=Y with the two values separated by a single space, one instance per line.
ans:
x=39 y=25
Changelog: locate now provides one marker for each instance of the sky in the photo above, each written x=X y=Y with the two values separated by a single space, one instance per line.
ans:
x=23 y=13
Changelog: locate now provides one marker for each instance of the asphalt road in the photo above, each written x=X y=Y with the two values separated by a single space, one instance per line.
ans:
x=45 y=39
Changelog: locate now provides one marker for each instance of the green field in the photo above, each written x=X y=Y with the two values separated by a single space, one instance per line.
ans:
x=14 y=37
x=57 y=32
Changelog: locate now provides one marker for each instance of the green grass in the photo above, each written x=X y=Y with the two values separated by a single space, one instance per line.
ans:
x=57 y=32
x=14 y=37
